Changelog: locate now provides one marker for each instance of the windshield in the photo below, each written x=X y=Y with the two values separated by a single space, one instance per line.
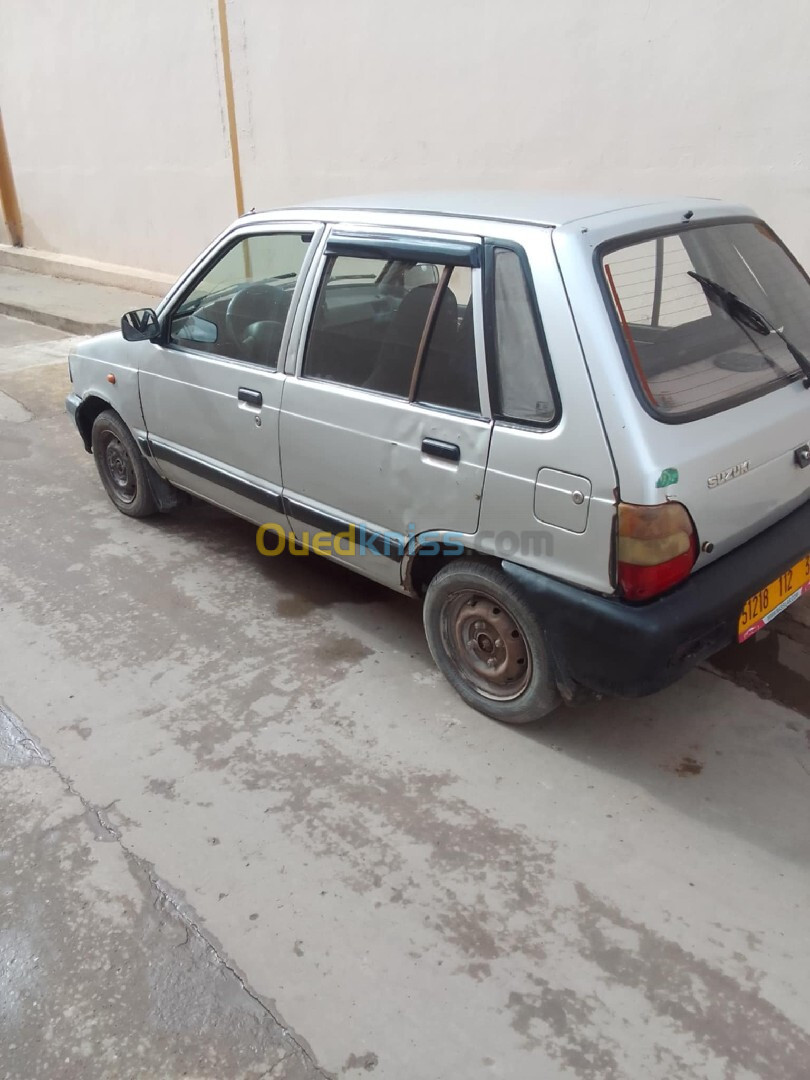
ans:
x=690 y=355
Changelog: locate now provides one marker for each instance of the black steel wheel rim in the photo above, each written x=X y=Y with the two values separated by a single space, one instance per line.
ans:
x=118 y=468
x=486 y=644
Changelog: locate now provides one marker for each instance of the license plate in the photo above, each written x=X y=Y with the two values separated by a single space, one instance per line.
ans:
x=774 y=598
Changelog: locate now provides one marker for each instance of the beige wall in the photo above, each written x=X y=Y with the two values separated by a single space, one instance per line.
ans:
x=116 y=123
x=116 y=128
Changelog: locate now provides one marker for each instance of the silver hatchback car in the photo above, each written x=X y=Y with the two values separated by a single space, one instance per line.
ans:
x=577 y=428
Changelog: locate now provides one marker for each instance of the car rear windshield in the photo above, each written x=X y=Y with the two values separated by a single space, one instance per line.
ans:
x=705 y=312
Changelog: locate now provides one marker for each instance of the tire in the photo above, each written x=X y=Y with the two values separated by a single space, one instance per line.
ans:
x=121 y=466
x=495 y=658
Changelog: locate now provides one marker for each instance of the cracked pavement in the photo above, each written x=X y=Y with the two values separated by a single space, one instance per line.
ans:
x=247 y=831
x=103 y=972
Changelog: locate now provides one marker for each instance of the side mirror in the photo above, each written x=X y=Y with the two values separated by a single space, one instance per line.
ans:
x=140 y=325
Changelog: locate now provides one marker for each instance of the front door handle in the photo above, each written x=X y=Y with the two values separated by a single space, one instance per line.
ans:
x=438 y=448
x=250 y=397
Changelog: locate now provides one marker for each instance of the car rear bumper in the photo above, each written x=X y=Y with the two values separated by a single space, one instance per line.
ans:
x=611 y=647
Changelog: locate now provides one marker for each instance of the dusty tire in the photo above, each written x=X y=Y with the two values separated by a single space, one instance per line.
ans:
x=121 y=466
x=487 y=644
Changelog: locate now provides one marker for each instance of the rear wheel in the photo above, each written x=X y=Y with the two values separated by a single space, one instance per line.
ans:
x=121 y=466
x=488 y=644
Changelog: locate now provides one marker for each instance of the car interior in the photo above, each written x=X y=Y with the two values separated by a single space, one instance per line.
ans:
x=366 y=330
x=242 y=323
x=367 y=334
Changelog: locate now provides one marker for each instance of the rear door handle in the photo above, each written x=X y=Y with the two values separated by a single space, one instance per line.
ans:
x=437 y=448
x=250 y=397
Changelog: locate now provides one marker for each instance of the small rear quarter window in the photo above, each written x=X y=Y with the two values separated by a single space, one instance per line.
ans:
x=524 y=386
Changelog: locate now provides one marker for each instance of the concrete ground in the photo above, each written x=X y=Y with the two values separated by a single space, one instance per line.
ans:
x=246 y=830
x=102 y=970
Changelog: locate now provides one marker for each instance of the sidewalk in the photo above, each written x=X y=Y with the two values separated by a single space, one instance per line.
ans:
x=77 y=307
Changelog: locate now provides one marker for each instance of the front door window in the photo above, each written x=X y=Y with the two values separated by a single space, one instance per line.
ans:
x=239 y=307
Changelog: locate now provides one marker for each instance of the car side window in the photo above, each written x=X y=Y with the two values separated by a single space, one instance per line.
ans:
x=449 y=377
x=524 y=386
x=239 y=307
x=370 y=326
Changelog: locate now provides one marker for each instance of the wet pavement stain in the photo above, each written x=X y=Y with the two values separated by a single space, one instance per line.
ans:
x=295 y=607
x=100 y=974
x=164 y=788
x=367 y=1062
x=688 y=766
x=731 y=1020
x=566 y=1016
x=343 y=650
x=771 y=665
x=339 y=809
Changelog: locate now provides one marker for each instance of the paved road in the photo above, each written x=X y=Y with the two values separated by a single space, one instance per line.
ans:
x=249 y=767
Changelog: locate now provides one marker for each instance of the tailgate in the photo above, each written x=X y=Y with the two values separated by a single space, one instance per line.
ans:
x=737 y=471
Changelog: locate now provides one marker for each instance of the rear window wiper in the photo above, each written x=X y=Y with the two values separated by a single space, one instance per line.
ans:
x=749 y=317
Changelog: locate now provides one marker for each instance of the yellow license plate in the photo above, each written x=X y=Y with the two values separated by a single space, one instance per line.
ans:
x=774 y=598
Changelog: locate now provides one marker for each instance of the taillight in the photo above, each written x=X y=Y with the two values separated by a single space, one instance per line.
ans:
x=657 y=547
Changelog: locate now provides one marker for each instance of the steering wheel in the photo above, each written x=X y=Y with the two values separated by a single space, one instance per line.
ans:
x=252 y=304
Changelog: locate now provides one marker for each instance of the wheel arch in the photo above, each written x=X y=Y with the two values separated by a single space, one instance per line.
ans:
x=422 y=566
x=91 y=407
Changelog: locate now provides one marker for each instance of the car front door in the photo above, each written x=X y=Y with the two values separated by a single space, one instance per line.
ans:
x=385 y=428
x=211 y=386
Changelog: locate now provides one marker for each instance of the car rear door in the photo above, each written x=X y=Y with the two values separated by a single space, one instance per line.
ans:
x=385 y=426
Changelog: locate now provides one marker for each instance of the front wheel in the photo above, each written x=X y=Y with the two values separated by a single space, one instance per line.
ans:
x=121 y=466
x=487 y=643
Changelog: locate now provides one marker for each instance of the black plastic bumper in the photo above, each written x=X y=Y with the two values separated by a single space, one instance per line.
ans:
x=72 y=403
x=612 y=647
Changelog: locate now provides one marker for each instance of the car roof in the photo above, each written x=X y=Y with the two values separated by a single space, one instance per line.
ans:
x=530 y=207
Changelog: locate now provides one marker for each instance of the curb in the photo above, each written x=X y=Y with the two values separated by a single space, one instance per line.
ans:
x=75 y=268
x=56 y=322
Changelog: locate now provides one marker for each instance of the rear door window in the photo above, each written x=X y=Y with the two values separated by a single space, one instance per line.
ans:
x=449 y=378
x=396 y=327
x=692 y=349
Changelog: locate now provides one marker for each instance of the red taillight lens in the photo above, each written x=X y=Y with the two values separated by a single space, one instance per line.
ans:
x=657 y=547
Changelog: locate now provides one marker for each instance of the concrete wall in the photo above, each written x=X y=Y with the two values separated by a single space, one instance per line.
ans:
x=115 y=117
x=115 y=121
